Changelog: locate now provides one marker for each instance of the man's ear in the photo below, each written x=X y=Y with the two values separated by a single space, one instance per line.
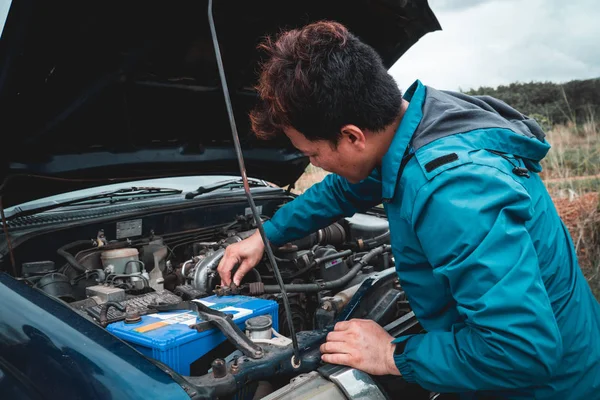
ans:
x=354 y=136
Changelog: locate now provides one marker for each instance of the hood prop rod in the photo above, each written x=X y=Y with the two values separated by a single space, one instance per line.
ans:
x=255 y=213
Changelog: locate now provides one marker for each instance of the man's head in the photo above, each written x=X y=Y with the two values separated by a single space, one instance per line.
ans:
x=330 y=94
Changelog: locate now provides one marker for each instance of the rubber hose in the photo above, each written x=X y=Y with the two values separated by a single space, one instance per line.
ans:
x=69 y=257
x=104 y=311
x=334 y=256
x=376 y=241
x=317 y=287
x=257 y=275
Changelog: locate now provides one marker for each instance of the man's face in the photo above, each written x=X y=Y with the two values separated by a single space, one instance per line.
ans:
x=350 y=159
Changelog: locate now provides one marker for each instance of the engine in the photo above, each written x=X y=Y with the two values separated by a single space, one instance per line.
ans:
x=134 y=288
x=115 y=280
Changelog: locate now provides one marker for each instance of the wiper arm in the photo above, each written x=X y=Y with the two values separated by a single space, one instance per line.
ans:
x=111 y=196
x=217 y=185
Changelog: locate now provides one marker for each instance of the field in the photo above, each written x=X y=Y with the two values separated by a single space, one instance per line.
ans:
x=571 y=171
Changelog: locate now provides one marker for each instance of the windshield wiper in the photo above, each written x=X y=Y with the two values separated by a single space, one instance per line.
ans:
x=111 y=197
x=218 y=185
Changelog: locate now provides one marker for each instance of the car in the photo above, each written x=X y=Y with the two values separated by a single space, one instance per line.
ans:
x=129 y=166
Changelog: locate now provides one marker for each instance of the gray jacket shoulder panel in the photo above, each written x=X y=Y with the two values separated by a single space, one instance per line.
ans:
x=447 y=113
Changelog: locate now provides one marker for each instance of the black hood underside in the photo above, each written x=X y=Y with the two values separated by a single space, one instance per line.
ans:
x=99 y=92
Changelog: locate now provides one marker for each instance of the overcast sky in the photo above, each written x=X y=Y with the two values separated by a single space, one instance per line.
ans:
x=494 y=42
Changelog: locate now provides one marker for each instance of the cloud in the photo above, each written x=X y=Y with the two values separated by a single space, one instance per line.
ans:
x=490 y=43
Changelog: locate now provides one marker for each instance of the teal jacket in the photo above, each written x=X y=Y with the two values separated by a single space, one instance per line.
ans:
x=487 y=264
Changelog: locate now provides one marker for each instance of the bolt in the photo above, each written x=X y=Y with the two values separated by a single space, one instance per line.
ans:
x=326 y=306
x=132 y=316
x=234 y=368
x=219 y=368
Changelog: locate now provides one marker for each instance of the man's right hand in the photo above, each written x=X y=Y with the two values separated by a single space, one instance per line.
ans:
x=246 y=254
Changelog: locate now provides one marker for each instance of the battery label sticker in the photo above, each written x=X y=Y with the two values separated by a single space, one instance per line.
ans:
x=189 y=318
x=186 y=318
x=224 y=304
x=150 y=327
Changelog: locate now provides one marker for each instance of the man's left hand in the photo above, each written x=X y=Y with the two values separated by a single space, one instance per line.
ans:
x=361 y=344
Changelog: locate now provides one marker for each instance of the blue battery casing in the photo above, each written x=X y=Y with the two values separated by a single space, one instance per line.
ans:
x=167 y=336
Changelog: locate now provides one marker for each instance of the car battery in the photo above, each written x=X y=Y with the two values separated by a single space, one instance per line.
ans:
x=168 y=337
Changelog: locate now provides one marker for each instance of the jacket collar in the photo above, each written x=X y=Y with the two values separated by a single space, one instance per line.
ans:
x=392 y=160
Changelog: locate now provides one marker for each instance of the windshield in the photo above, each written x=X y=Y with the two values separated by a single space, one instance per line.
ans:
x=185 y=183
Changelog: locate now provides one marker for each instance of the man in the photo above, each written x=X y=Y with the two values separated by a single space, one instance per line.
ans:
x=487 y=265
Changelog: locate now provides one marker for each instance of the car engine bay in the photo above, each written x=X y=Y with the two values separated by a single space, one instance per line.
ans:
x=181 y=267
x=342 y=271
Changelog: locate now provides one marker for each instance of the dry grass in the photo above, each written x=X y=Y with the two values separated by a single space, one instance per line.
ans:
x=575 y=152
x=582 y=217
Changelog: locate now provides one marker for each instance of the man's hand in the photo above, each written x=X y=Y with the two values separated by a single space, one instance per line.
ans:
x=361 y=344
x=246 y=254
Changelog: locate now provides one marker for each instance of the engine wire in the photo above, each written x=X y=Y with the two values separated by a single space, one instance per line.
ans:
x=255 y=212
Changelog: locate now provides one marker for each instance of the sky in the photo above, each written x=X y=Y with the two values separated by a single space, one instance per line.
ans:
x=497 y=42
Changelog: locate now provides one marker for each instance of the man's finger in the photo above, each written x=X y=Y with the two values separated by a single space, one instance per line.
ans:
x=341 y=359
x=245 y=266
x=337 y=336
x=336 y=347
x=224 y=269
x=342 y=326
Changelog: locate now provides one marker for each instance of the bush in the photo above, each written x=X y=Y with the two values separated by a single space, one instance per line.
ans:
x=551 y=103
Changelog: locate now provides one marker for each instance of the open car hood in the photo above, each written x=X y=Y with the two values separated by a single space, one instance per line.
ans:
x=95 y=93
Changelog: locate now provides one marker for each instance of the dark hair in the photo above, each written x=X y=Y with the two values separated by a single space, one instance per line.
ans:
x=320 y=78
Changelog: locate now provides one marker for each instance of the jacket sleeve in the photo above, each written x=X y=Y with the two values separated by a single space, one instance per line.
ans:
x=470 y=222
x=321 y=205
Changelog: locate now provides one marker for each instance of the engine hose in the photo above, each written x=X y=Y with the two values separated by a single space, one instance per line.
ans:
x=333 y=234
x=317 y=287
x=256 y=275
x=104 y=311
x=310 y=266
x=376 y=241
x=334 y=256
x=69 y=257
